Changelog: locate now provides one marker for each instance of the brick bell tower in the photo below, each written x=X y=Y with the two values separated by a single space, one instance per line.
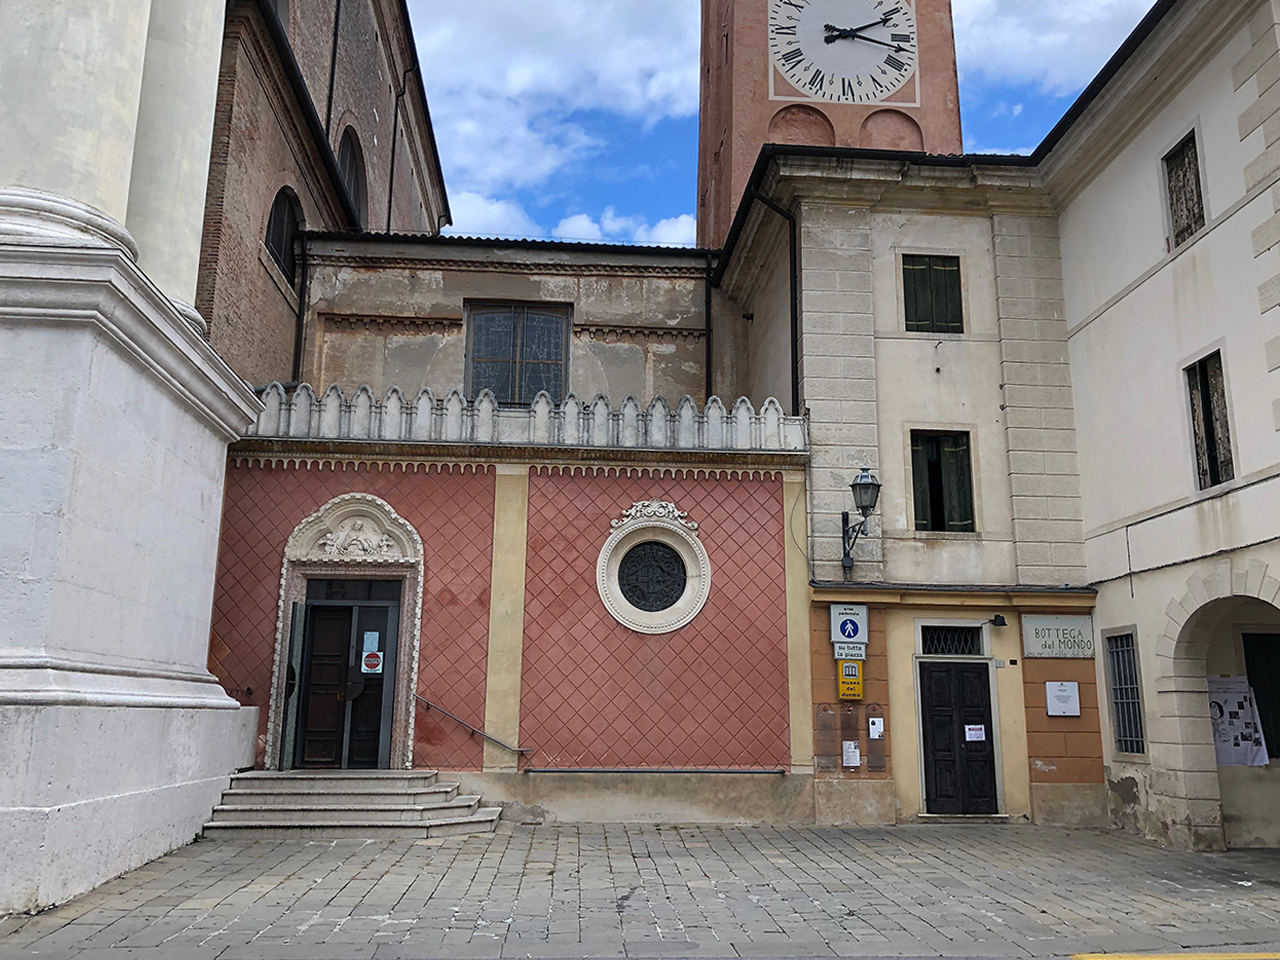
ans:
x=877 y=74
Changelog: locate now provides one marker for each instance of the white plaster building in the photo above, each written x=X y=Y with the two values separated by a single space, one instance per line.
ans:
x=114 y=737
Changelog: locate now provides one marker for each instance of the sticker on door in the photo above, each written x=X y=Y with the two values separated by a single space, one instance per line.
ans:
x=975 y=733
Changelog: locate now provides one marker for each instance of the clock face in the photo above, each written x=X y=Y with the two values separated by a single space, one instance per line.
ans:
x=846 y=51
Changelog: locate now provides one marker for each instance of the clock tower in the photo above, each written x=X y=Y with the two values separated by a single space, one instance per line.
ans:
x=876 y=74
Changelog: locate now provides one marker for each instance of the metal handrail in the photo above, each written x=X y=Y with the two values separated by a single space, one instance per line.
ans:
x=474 y=730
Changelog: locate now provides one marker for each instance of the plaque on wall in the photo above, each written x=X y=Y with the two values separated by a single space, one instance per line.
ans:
x=1058 y=638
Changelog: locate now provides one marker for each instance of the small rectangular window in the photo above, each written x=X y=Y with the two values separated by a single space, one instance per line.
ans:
x=1186 y=199
x=943 y=478
x=518 y=350
x=932 y=294
x=939 y=641
x=1262 y=663
x=1126 y=694
x=1209 y=422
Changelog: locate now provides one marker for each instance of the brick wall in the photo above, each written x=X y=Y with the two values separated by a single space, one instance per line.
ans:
x=713 y=694
x=452 y=511
x=260 y=145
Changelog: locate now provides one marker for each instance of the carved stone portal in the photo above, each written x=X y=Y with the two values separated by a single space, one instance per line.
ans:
x=356 y=528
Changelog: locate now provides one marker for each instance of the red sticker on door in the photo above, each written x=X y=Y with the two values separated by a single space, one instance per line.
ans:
x=372 y=663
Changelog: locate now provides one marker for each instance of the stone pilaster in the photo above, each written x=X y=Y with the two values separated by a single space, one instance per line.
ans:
x=838 y=376
x=1262 y=64
x=1044 y=463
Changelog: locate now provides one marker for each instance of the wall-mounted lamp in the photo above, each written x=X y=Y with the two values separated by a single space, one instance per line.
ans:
x=998 y=621
x=866 y=494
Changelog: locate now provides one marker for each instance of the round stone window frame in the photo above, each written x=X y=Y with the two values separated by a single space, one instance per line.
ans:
x=675 y=533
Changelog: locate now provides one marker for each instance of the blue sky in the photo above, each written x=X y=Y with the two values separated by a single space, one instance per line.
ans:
x=577 y=119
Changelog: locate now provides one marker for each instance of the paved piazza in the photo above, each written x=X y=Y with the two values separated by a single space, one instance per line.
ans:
x=673 y=891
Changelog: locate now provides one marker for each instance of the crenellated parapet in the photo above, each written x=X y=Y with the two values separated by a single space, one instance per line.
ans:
x=306 y=415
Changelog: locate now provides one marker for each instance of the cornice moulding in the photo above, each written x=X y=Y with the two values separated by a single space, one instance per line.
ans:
x=1178 y=48
x=40 y=218
x=101 y=287
x=530 y=266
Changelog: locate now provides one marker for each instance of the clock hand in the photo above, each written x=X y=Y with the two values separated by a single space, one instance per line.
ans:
x=896 y=48
x=835 y=33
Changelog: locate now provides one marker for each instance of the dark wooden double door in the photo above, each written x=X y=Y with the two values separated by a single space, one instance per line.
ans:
x=341 y=677
x=959 y=740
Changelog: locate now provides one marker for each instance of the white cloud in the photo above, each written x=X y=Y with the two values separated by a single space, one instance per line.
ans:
x=611 y=228
x=505 y=79
x=1059 y=46
x=578 y=227
x=505 y=76
x=478 y=216
x=674 y=232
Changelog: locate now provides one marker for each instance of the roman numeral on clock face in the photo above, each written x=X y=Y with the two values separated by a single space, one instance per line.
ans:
x=843 y=51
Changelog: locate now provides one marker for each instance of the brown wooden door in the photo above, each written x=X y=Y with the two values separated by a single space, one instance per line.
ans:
x=324 y=707
x=959 y=742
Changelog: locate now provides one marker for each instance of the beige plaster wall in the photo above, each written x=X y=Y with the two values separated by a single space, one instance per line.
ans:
x=1008 y=707
x=941 y=382
x=1126 y=202
x=768 y=360
x=390 y=315
x=1175 y=792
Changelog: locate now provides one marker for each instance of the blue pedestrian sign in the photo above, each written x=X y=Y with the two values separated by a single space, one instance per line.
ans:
x=848 y=623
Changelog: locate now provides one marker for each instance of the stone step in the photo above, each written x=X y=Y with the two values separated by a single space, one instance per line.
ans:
x=259 y=796
x=485 y=820
x=328 y=812
x=334 y=781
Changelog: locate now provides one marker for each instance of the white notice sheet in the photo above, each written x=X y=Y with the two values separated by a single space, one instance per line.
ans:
x=1237 y=732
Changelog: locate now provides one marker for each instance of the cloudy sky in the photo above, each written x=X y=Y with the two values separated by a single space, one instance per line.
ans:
x=578 y=119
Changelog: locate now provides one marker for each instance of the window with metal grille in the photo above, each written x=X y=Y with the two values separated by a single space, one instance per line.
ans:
x=943 y=480
x=932 y=294
x=1186 y=201
x=282 y=234
x=351 y=169
x=1262 y=663
x=941 y=641
x=1209 y=422
x=1126 y=694
x=653 y=577
x=518 y=350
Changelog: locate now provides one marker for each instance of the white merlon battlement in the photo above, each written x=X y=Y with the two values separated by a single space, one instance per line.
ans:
x=575 y=423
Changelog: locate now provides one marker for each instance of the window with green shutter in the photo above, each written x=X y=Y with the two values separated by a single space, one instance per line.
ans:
x=942 y=475
x=932 y=294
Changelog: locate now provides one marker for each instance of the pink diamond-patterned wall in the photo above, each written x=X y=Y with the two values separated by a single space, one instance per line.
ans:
x=452 y=512
x=712 y=695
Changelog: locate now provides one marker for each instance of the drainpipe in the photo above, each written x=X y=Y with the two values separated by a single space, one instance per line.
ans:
x=300 y=326
x=333 y=65
x=395 y=132
x=707 y=325
x=795 y=294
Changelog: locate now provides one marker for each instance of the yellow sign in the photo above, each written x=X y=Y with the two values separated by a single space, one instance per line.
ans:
x=850 y=675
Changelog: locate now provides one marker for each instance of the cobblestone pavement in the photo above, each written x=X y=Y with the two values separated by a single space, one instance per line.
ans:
x=672 y=891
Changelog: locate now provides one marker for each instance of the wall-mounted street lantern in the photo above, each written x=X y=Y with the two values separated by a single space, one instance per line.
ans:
x=866 y=494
